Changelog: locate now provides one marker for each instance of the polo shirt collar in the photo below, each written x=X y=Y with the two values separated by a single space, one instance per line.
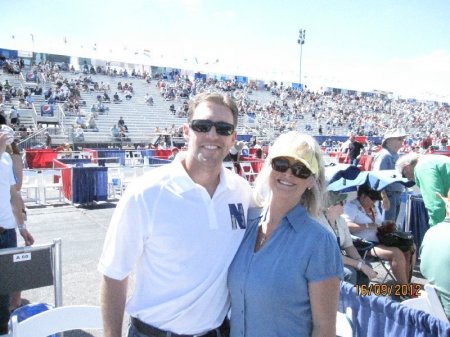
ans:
x=295 y=218
x=182 y=182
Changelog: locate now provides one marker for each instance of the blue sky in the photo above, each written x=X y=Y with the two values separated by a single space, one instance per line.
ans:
x=403 y=46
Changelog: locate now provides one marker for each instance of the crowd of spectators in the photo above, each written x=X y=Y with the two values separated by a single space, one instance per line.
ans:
x=326 y=113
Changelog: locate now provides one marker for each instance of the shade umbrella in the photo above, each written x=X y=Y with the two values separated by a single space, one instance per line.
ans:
x=376 y=180
x=334 y=172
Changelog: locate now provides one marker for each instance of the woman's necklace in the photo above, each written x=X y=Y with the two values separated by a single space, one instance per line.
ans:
x=262 y=236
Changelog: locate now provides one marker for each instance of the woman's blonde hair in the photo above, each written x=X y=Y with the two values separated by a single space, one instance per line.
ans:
x=312 y=199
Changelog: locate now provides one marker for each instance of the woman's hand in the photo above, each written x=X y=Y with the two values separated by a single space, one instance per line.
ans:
x=366 y=269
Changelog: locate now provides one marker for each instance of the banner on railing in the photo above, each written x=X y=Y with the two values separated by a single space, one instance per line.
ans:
x=31 y=76
x=47 y=110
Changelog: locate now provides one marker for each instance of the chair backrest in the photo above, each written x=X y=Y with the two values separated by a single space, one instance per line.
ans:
x=435 y=303
x=58 y=320
x=43 y=262
x=428 y=301
x=344 y=327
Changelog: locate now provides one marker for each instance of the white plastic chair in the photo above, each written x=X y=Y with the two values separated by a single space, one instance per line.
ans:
x=30 y=183
x=429 y=302
x=47 y=182
x=58 y=320
x=229 y=165
x=247 y=171
x=344 y=326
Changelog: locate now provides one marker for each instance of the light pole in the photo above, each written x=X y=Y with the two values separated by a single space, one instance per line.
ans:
x=301 y=42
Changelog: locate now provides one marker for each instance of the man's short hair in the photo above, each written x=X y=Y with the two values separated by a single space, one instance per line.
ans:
x=217 y=98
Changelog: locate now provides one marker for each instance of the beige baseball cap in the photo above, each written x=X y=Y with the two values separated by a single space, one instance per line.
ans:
x=301 y=152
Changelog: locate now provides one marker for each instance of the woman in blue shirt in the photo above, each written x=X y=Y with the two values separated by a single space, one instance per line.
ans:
x=284 y=280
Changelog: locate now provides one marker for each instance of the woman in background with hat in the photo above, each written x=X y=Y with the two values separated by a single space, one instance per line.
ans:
x=284 y=279
x=332 y=220
x=363 y=219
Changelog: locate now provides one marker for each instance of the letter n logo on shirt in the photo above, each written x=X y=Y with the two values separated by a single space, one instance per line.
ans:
x=237 y=216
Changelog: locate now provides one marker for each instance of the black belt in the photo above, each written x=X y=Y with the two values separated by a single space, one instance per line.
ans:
x=149 y=330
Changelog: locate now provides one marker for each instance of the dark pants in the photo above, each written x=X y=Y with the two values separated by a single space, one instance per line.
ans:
x=134 y=331
x=8 y=239
x=395 y=199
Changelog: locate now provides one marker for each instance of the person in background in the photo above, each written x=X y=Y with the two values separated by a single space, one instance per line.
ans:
x=385 y=160
x=284 y=279
x=11 y=215
x=17 y=161
x=175 y=151
x=363 y=219
x=178 y=227
x=354 y=150
x=332 y=220
x=435 y=256
x=431 y=173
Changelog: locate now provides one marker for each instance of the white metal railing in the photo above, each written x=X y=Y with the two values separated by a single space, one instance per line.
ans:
x=32 y=140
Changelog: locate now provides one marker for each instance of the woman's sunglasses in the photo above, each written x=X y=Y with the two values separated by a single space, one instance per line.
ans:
x=298 y=169
x=204 y=125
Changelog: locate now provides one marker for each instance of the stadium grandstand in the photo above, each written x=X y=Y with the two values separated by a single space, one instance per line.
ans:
x=80 y=104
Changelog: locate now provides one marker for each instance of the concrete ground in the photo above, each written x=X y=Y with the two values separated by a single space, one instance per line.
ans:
x=82 y=231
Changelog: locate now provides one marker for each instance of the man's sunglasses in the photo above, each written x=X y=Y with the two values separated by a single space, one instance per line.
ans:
x=298 y=169
x=204 y=125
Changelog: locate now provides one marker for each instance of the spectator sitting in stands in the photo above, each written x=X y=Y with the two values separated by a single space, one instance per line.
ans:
x=122 y=133
x=29 y=100
x=114 y=131
x=128 y=94
x=91 y=124
x=121 y=123
x=80 y=122
x=116 y=98
x=148 y=99
x=78 y=135
x=106 y=98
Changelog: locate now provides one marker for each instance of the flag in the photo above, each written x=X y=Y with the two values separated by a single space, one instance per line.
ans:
x=32 y=37
x=147 y=52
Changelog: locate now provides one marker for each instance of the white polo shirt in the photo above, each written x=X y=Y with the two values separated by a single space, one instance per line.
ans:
x=6 y=180
x=182 y=242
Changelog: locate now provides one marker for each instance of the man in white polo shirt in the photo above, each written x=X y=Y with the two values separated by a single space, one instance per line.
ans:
x=179 y=227
x=9 y=199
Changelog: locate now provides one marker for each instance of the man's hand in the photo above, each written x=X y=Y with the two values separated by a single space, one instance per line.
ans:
x=27 y=237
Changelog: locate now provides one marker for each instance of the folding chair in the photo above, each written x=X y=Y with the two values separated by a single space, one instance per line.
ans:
x=363 y=247
x=57 y=320
x=247 y=172
x=41 y=266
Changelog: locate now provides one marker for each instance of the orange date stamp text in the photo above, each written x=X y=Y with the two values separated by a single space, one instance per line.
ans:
x=382 y=289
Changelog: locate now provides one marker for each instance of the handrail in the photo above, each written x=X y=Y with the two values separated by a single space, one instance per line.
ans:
x=34 y=114
x=61 y=118
x=29 y=140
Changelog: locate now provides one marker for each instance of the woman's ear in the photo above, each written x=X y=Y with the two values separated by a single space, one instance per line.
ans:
x=186 y=130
